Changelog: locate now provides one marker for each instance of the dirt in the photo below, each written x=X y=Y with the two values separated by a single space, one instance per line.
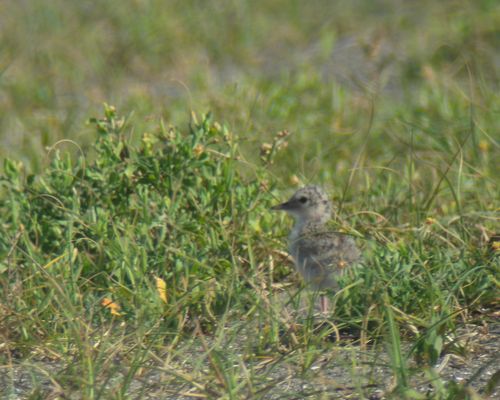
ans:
x=341 y=372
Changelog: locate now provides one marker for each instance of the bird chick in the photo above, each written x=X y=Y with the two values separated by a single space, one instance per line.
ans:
x=319 y=255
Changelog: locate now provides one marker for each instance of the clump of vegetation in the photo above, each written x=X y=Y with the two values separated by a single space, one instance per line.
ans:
x=176 y=207
x=171 y=236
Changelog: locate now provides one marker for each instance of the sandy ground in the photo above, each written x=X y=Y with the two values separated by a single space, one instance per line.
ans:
x=341 y=372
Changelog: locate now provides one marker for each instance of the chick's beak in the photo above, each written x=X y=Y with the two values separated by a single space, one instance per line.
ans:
x=283 y=206
x=277 y=207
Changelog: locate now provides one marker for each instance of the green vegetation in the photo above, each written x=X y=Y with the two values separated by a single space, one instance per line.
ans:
x=139 y=259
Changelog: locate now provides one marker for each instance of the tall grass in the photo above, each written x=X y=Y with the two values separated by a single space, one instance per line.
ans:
x=130 y=250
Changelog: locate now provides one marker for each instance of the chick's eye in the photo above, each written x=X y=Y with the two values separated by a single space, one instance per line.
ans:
x=303 y=200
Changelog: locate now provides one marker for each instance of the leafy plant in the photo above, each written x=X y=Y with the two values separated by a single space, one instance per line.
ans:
x=179 y=206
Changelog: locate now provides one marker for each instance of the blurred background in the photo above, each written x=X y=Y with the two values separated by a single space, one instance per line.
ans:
x=333 y=73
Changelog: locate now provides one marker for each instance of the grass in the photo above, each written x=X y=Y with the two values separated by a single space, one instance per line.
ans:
x=139 y=259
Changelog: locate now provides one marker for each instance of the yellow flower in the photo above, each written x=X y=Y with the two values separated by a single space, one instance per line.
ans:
x=113 y=307
x=484 y=145
x=161 y=287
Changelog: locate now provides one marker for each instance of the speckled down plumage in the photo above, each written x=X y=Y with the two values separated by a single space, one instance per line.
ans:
x=320 y=255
